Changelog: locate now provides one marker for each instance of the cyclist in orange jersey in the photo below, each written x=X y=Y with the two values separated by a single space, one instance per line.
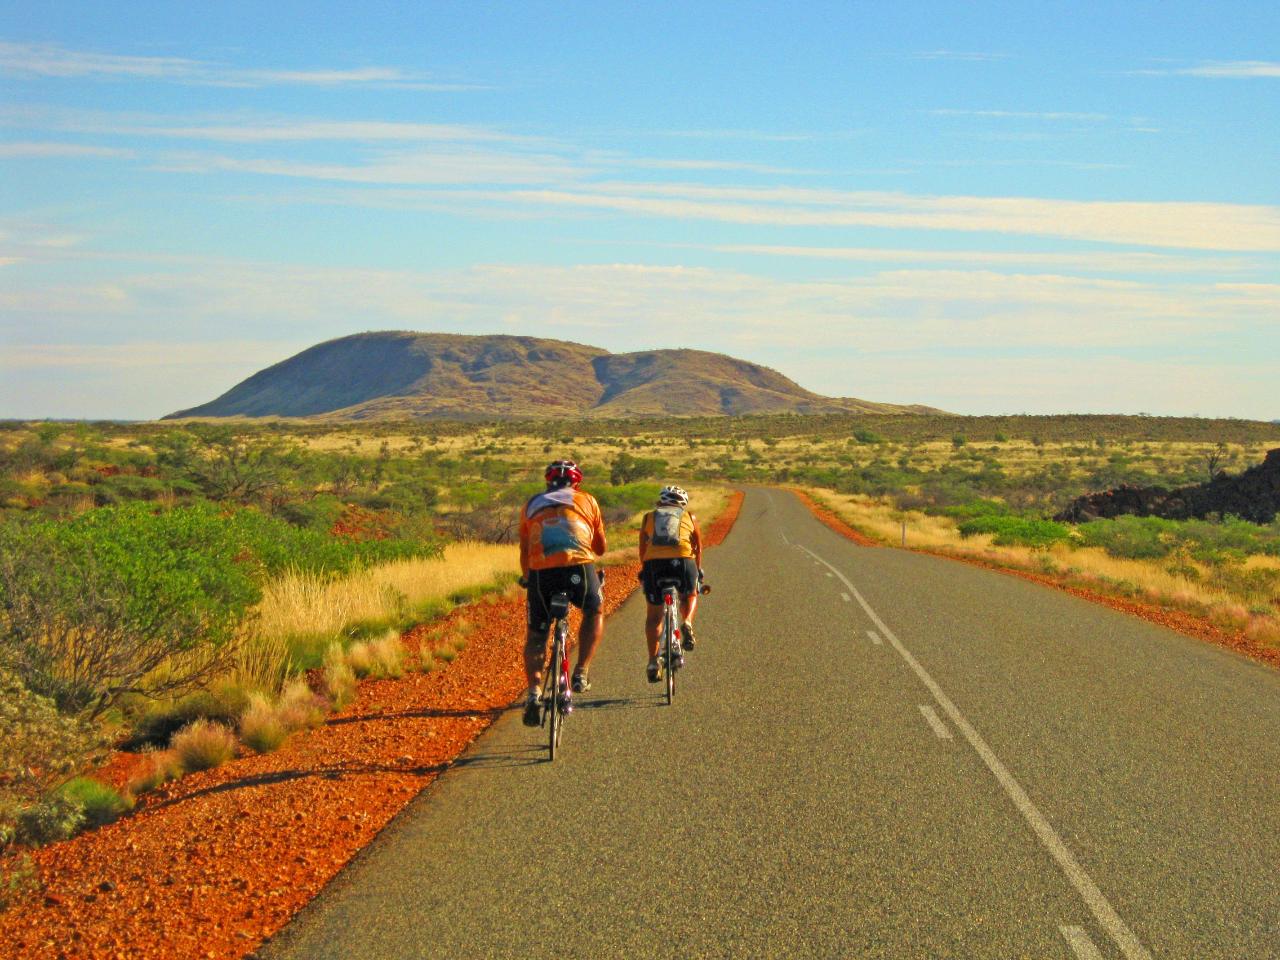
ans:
x=670 y=547
x=561 y=535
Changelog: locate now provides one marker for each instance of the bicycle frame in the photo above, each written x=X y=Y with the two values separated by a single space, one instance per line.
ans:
x=557 y=700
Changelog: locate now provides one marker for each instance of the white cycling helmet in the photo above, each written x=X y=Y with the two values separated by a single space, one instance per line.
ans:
x=673 y=496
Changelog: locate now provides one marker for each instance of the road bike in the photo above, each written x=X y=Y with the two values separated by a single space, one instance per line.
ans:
x=557 y=694
x=670 y=647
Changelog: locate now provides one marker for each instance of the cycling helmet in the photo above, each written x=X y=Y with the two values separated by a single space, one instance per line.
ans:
x=673 y=496
x=563 y=472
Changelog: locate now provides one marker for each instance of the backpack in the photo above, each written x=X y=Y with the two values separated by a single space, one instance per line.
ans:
x=666 y=526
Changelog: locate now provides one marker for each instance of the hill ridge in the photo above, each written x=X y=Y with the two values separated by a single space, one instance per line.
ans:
x=402 y=373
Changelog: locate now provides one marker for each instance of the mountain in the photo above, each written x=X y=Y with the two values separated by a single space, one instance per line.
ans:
x=397 y=374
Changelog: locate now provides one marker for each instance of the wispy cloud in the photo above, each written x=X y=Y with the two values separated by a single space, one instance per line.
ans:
x=43 y=150
x=1218 y=69
x=1233 y=69
x=445 y=165
x=54 y=60
x=1209 y=226
x=1097 y=262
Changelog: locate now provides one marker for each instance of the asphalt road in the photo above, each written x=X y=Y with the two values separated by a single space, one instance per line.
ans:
x=872 y=753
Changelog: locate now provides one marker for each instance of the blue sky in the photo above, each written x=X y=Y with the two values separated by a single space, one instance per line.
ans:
x=991 y=208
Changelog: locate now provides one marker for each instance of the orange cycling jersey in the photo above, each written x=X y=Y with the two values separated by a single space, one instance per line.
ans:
x=689 y=539
x=560 y=528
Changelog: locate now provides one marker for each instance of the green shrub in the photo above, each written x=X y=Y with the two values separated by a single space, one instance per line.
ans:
x=1008 y=531
x=100 y=803
x=38 y=747
x=1137 y=538
x=52 y=818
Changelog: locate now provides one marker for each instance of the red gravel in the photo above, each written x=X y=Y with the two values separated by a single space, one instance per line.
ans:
x=1179 y=620
x=213 y=864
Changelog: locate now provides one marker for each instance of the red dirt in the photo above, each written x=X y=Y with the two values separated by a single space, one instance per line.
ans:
x=833 y=521
x=1177 y=620
x=215 y=863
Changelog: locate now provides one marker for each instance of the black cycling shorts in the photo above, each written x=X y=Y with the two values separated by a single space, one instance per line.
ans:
x=580 y=582
x=684 y=569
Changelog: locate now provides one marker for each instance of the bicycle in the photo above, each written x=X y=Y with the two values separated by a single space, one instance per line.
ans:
x=557 y=696
x=671 y=646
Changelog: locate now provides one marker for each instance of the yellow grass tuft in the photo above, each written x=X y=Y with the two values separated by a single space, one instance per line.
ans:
x=260 y=725
x=339 y=678
x=203 y=745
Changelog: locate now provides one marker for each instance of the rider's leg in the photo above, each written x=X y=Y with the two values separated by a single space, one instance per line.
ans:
x=688 y=606
x=653 y=628
x=535 y=656
x=589 y=638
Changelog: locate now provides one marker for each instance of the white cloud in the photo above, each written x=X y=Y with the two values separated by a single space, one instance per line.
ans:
x=360 y=131
x=1095 y=262
x=1207 y=226
x=444 y=165
x=54 y=60
x=1233 y=69
x=42 y=150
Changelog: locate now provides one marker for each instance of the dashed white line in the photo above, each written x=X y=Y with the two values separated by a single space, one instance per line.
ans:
x=845 y=598
x=935 y=721
x=875 y=637
x=1080 y=943
x=1094 y=898
x=830 y=574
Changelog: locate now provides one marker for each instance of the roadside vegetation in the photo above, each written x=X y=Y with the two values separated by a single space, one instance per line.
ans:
x=200 y=592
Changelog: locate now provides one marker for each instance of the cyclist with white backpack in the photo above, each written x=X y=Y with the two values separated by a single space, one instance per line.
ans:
x=670 y=548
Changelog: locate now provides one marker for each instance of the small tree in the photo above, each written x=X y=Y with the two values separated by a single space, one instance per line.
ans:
x=91 y=607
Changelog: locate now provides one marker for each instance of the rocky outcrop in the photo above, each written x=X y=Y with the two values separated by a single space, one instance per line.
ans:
x=1253 y=495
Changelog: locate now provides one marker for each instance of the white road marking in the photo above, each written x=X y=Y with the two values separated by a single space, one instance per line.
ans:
x=845 y=597
x=875 y=637
x=1079 y=942
x=1094 y=899
x=935 y=721
x=830 y=574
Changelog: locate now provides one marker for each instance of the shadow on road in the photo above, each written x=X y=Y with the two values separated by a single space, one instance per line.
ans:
x=620 y=703
x=503 y=759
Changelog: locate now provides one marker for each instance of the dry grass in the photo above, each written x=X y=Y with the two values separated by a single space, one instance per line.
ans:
x=261 y=727
x=203 y=745
x=307 y=604
x=339 y=678
x=299 y=708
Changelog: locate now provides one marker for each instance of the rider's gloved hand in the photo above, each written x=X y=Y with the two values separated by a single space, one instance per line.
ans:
x=524 y=582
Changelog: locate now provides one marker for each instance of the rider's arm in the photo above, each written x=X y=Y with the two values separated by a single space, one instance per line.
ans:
x=644 y=537
x=598 y=545
x=696 y=541
x=524 y=545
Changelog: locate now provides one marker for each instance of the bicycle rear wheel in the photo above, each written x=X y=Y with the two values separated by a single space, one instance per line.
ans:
x=554 y=715
x=668 y=648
